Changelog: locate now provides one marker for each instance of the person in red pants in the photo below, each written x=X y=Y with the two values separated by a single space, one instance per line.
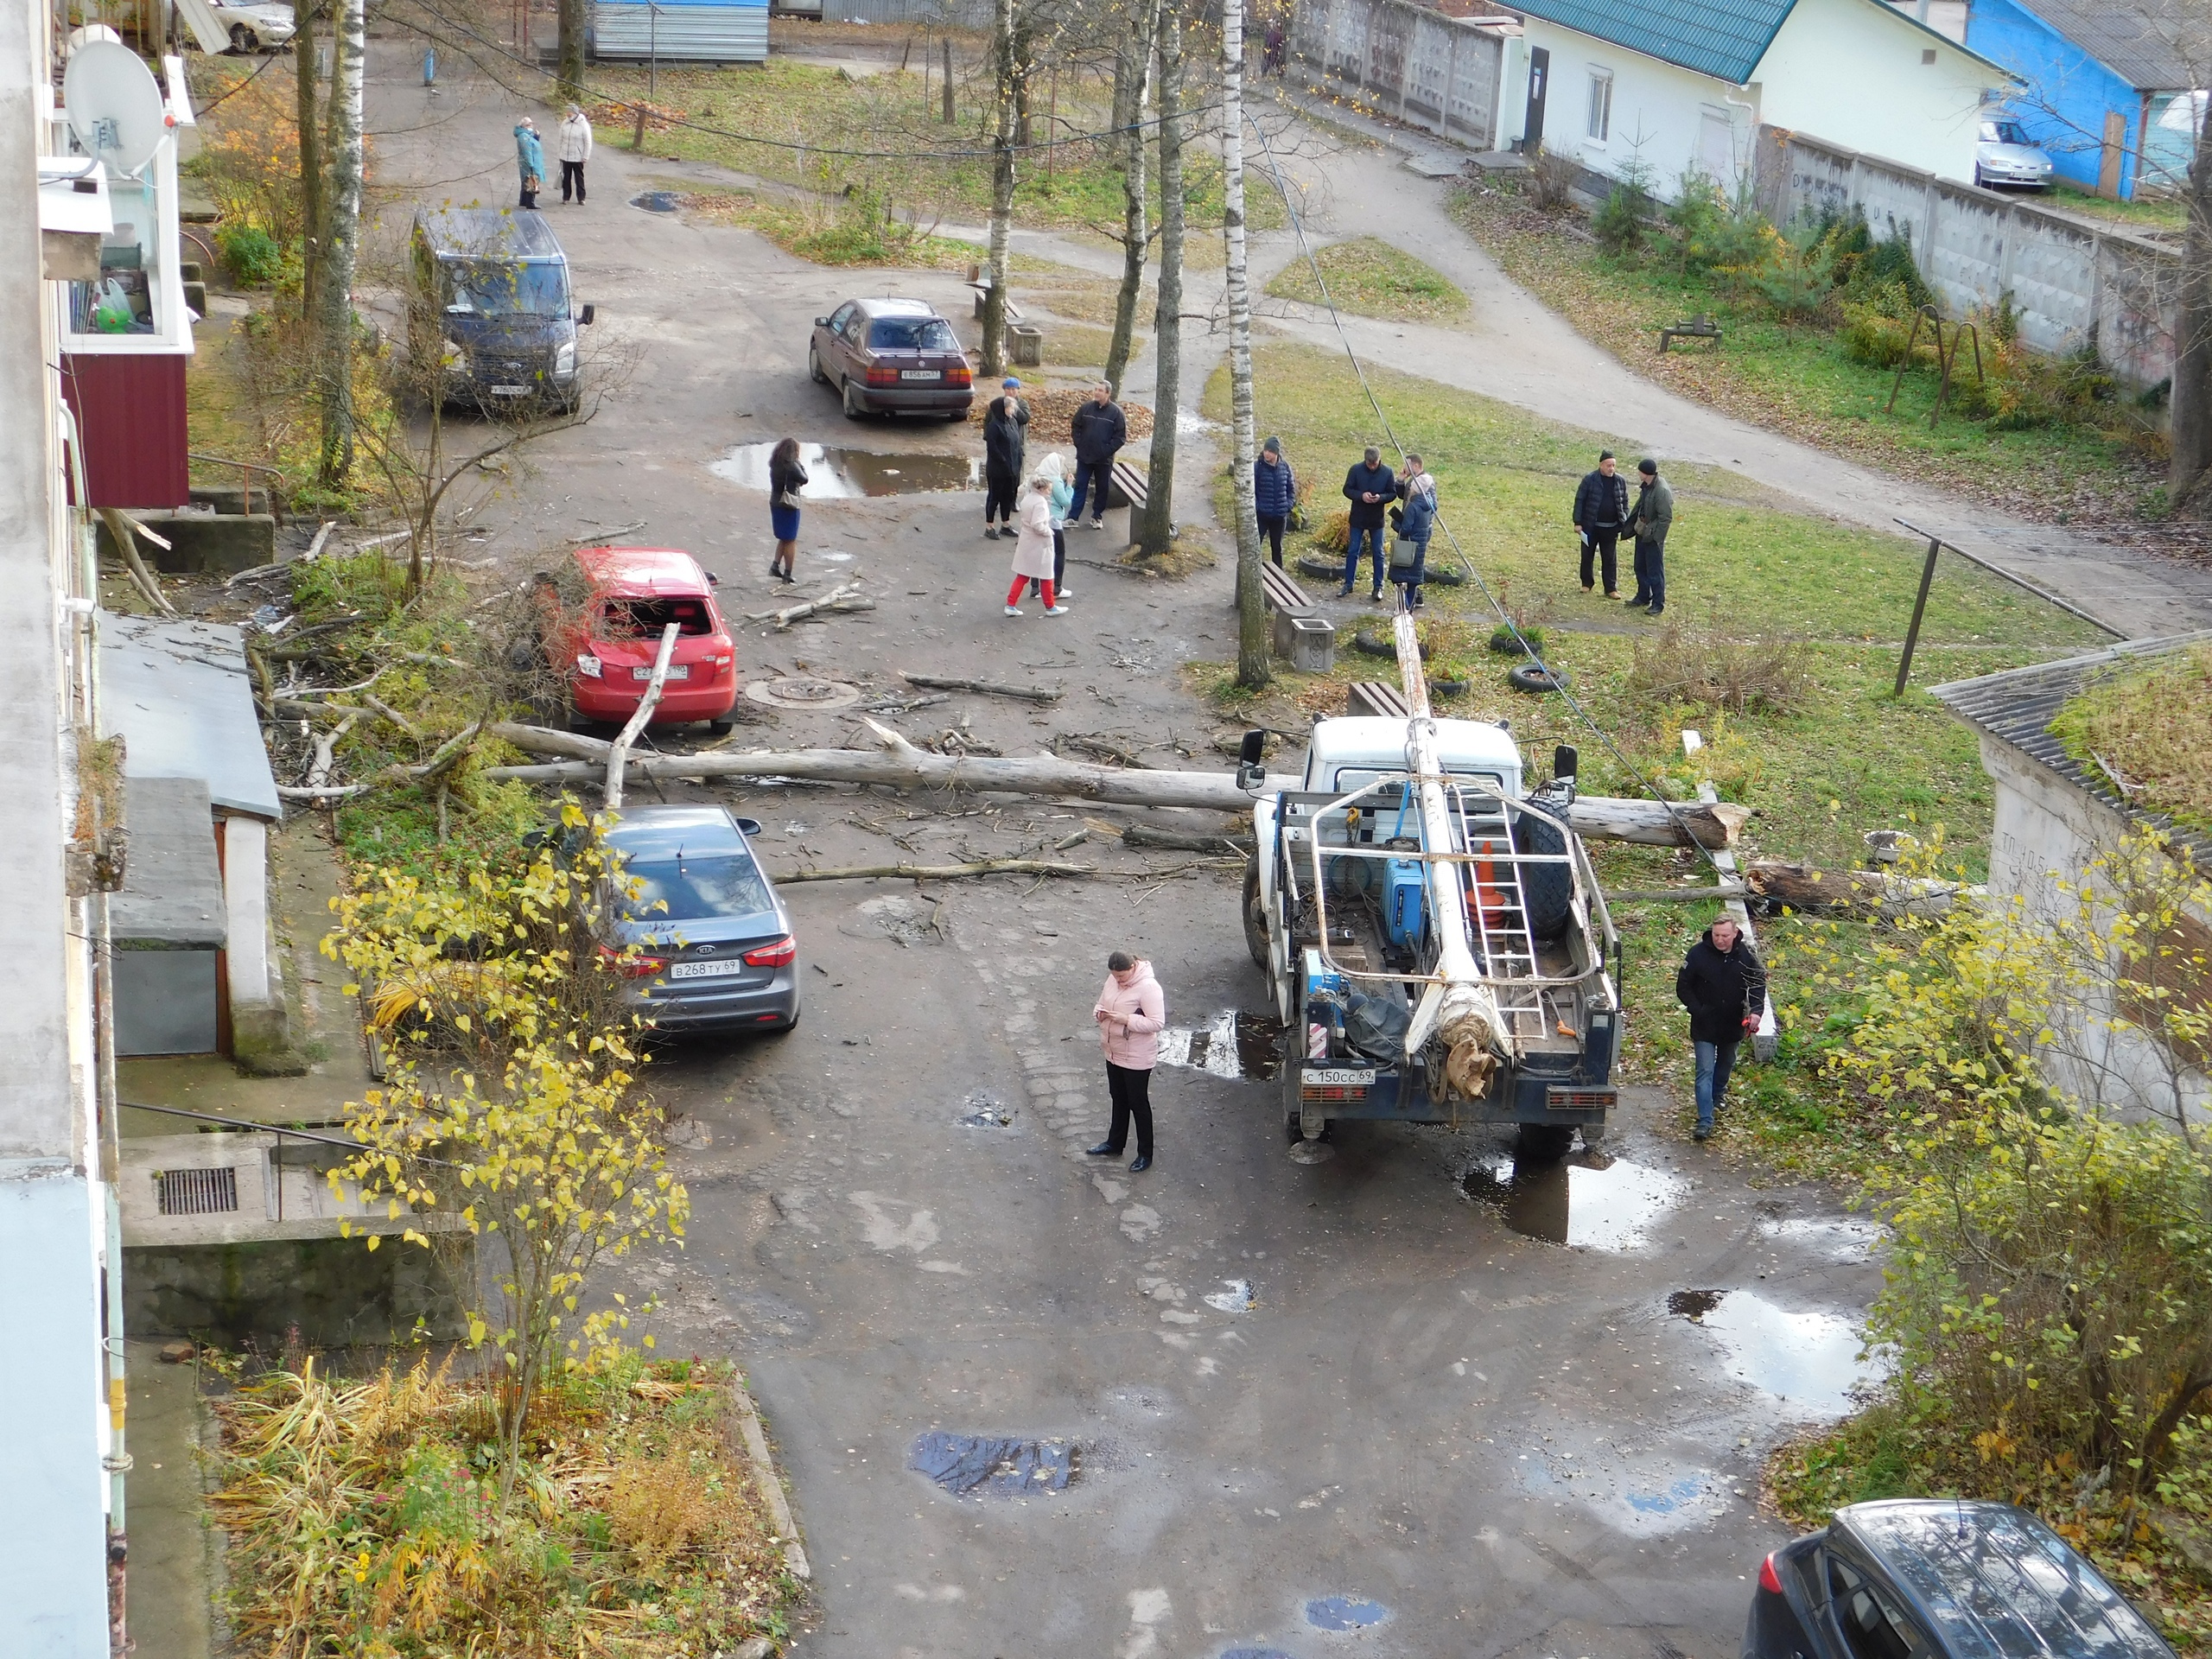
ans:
x=1033 y=549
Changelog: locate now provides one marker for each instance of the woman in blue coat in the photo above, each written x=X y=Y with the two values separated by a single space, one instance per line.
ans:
x=529 y=160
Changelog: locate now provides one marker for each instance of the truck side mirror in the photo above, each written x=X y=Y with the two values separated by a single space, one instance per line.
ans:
x=1566 y=762
x=1251 y=771
x=587 y=317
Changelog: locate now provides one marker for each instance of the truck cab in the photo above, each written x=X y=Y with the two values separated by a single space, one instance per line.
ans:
x=1349 y=892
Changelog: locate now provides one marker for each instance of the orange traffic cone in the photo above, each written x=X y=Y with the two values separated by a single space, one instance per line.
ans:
x=1488 y=897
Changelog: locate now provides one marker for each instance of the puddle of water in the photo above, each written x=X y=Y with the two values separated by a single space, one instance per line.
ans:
x=1836 y=1239
x=658 y=201
x=1694 y=1304
x=1344 y=1613
x=1590 y=1201
x=1234 y=1297
x=975 y=1465
x=833 y=474
x=1246 y=1046
x=1669 y=1499
x=1809 y=1361
x=986 y=1111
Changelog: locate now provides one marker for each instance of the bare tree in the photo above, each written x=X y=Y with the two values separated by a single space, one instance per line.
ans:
x=334 y=304
x=306 y=71
x=1251 y=608
x=2192 y=397
x=1132 y=64
x=1160 y=497
x=575 y=20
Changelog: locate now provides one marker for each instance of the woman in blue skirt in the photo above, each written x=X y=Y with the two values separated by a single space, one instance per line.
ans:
x=787 y=477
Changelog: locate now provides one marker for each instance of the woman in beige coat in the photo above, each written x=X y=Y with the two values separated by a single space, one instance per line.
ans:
x=1033 y=548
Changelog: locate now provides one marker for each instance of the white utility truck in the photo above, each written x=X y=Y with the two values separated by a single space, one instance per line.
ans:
x=1432 y=931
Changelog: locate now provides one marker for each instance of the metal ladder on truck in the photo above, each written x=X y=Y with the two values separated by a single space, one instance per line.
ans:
x=1498 y=909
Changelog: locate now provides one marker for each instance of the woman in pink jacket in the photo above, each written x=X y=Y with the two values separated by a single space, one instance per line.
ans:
x=1132 y=1012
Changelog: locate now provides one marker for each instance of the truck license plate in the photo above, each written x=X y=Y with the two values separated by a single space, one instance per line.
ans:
x=921 y=374
x=1337 y=1078
x=705 y=970
x=675 y=672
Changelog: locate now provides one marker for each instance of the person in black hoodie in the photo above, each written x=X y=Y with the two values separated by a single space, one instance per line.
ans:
x=1004 y=441
x=1601 y=514
x=1723 y=984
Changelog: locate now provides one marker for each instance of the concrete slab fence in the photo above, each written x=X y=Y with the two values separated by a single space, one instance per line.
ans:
x=1406 y=61
x=2074 y=285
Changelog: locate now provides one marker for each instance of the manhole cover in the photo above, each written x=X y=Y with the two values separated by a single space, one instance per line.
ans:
x=803 y=693
x=658 y=201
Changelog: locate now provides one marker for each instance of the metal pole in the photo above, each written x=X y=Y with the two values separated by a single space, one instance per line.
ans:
x=2021 y=582
x=1919 y=605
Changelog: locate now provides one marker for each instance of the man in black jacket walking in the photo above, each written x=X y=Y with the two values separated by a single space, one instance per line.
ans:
x=1723 y=984
x=1600 y=512
x=1099 y=429
x=1370 y=487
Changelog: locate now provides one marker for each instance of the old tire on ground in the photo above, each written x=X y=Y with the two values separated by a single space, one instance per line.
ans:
x=854 y=410
x=1535 y=677
x=1374 y=645
x=1255 y=920
x=1321 y=569
x=1549 y=889
x=1544 y=1142
x=1446 y=576
x=814 y=367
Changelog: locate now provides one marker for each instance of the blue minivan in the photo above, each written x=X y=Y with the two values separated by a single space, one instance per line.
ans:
x=494 y=323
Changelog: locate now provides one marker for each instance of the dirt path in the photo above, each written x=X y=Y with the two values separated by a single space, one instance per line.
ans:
x=1515 y=348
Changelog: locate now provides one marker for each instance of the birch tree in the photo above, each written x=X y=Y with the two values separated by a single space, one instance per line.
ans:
x=2192 y=401
x=1132 y=98
x=334 y=303
x=575 y=19
x=1251 y=609
x=1004 y=67
x=1168 y=321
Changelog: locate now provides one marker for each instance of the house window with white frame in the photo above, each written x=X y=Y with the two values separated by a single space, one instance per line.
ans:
x=1601 y=105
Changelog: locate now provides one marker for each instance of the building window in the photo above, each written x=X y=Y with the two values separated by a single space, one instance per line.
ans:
x=1601 y=106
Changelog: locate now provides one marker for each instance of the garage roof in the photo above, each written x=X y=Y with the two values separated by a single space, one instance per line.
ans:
x=172 y=896
x=178 y=694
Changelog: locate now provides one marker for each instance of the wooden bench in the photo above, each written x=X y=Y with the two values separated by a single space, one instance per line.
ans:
x=1126 y=486
x=1374 y=697
x=1699 y=326
x=1281 y=593
x=983 y=294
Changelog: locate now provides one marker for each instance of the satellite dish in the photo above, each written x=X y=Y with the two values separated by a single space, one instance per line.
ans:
x=115 y=105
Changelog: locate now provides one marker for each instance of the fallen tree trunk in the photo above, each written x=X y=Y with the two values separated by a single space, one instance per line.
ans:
x=1776 y=885
x=939 y=872
x=1601 y=818
x=989 y=688
x=1143 y=835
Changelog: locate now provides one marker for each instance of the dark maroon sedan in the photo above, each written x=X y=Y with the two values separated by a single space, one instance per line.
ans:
x=892 y=356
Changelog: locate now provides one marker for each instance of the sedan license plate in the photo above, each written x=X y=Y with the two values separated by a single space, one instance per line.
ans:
x=706 y=970
x=510 y=391
x=675 y=672
x=1337 y=1078
x=921 y=374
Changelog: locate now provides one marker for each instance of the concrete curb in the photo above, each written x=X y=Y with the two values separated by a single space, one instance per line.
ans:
x=771 y=1485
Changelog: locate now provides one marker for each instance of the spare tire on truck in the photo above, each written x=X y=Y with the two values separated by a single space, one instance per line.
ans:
x=1549 y=889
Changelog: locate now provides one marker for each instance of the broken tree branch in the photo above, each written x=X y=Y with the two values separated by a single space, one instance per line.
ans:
x=1650 y=824
x=1142 y=835
x=618 y=754
x=125 y=529
x=940 y=872
x=845 y=596
x=1866 y=895
x=989 y=688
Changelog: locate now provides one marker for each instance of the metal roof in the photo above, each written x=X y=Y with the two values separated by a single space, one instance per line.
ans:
x=2150 y=44
x=488 y=233
x=1998 y=1584
x=1722 y=38
x=172 y=894
x=178 y=693
x=2018 y=705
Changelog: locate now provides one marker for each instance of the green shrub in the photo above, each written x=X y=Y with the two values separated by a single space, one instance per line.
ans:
x=1876 y=324
x=251 y=253
x=1619 y=225
x=1886 y=263
x=1503 y=642
x=1697 y=208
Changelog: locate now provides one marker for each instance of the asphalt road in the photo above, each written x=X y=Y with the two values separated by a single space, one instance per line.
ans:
x=1420 y=1427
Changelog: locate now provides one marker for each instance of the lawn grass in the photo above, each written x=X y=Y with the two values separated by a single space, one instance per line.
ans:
x=827 y=233
x=1796 y=379
x=2150 y=213
x=1370 y=276
x=796 y=118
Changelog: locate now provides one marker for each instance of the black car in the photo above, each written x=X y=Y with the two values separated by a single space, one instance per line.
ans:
x=716 y=949
x=1926 y=1577
x=492 y=321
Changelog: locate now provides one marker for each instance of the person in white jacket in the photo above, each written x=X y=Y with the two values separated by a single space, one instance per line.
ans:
x=575 y=150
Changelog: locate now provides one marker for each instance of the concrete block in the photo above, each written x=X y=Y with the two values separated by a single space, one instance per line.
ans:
x=1313 y=644
x=336 y=1290
x=261 y=1040
x=216 y=544
x=231 y=498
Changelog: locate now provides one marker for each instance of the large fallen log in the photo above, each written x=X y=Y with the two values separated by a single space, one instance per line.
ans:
x=1858 y=894
x=1601 y=817
x=990 y=688
x=938 y=872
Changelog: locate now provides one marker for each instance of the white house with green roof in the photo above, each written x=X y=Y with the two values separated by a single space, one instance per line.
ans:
x=1684 y=85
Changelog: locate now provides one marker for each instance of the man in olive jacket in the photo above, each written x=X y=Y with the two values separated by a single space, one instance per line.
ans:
x=1723 y=984
x=1653 y=518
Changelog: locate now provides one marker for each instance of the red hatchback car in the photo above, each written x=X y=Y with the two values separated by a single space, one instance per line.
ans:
x=601 y=624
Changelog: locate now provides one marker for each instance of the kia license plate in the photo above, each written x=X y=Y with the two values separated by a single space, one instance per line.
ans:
x=921 y=374
x=706 y=970
x=675 y=672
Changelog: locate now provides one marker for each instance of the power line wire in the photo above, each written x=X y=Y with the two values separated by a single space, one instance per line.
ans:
x=1306 y=248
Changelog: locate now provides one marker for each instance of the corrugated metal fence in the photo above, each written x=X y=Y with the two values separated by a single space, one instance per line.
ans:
x=713 y=31
x=1424 y=68
x=2073 y=285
